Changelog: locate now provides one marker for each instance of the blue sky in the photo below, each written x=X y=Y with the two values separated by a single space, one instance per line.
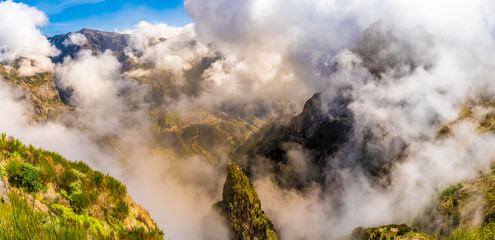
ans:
x=108 y=15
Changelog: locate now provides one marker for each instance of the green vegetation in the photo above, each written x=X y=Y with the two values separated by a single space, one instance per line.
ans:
x=202 y=133
x=69 y=200
x=388 y=232
x=480 y=232
x=242 y=207
x=484 y=118
x=462 y=211
x=24 y=175
x=18 y=220
x=450 y=191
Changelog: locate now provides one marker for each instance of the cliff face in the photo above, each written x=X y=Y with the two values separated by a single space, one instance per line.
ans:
x=320 y=129
x=242 y=207
x=38 y=90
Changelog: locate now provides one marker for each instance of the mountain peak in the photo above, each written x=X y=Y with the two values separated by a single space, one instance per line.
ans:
x=88 y=30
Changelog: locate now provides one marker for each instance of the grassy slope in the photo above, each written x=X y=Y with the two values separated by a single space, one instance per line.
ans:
x=70 y=198
x=388 y=232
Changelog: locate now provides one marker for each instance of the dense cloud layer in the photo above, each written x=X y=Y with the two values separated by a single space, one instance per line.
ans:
x=403 y=90
x=407 y=76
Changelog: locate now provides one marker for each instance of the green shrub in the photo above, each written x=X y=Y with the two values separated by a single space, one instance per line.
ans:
x=77 y=198
x=450 y=190
x=81 y=167
x=67 y=178
x=141 y=233
x=48 y=173
x=37 y=155
x=403 y=229
x=122 y=190
x=79 y=201
x=121 y=210
x=115 y=186
x=24 y=175
x=57 y=158
x=14 y=145
x=96 y=178
x=3 y=141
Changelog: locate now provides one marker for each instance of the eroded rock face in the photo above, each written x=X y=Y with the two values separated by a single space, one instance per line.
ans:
x=242 y=207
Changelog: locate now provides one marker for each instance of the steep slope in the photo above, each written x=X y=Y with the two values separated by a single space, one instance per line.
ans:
x=242 y=207
x=38 y=91
x=67 y=198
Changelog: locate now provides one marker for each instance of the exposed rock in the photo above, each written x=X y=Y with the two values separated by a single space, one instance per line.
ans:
x=242 y=207
x=37 y=205
x=4 y=190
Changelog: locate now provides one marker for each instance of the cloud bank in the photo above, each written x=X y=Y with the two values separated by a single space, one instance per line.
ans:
x=21 y=38
x=407 y=75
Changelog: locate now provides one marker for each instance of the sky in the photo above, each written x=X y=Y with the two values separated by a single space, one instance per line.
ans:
x=108 y=15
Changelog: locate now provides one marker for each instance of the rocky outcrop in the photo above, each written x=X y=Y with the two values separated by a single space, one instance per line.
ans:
x=242 y=207
x=37 y=205
x=4 y=190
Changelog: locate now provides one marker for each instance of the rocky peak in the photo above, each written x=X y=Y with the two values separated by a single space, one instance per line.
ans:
x=242 y=207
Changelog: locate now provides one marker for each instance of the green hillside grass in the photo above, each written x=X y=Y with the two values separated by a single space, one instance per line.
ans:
x=53 y=198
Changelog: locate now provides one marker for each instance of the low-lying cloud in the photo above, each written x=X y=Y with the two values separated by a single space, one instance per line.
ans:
x=406 y=79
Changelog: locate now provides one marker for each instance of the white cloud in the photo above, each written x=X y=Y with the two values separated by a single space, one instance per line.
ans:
x=20 y=37
x=75 y=39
